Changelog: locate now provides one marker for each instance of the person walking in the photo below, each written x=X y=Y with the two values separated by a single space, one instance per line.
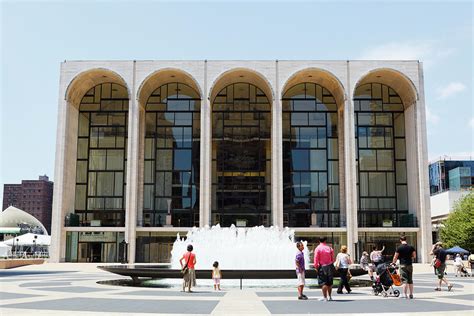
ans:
x=406 y=254
x=458 y=265
x=189 y=274
x=323 y=263
x=440 y=265
x=470 y=259
x=300 y=270
x=343 y=260
x=216 y=276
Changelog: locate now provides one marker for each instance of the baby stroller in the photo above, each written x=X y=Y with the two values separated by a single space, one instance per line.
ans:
x=386 y=277
x=462 y=271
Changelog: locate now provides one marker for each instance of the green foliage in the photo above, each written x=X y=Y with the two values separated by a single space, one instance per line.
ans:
x=458 y=228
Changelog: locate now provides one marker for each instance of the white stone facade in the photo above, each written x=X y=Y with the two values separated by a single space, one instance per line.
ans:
x=273 y=77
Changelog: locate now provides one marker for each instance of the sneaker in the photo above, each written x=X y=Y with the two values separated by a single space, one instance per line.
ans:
x=323 y=299
x=300 y=297
x=450 y=287
x=438 y=289
x=304 y=297
x=403 y=296
x=339 y=292
x=411 y=296
x=330 y=298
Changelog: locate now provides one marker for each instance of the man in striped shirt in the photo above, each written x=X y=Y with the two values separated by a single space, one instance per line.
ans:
x=323 y=263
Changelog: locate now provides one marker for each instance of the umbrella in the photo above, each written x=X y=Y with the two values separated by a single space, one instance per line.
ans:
x=457 y=249
x=27 y=240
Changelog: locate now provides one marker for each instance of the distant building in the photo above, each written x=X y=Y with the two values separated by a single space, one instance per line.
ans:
x=450 y=181
x=32 y=196
x=446 y=174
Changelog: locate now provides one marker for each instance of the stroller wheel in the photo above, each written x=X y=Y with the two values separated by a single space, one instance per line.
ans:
x=396 y=293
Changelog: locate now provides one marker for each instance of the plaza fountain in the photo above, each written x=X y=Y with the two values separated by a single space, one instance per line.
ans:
x=256 y=248
x=242 y=253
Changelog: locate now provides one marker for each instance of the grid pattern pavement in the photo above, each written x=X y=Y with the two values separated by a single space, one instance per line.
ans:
x=66 y=289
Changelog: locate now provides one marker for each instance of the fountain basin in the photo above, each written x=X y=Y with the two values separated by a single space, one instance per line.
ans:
x=136 y=272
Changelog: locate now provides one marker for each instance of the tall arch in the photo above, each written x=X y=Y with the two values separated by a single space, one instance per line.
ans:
x=241 y=149
x=164 y=76
x=312 y=105
x=394 y=79
x=85 y=80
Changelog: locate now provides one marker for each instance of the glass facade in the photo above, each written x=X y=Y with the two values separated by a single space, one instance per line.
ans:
x=381 y=157
x=154 y=247
x=93 y=246
x=241 y=156
x=172 y=156
x=391 y=241
x=310 y=157
x=102 y=156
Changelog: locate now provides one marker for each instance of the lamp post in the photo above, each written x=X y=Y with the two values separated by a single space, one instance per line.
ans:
x=34 y=245
x=16 y=248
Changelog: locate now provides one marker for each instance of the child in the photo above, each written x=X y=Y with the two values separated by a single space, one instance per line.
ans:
x=216 y=276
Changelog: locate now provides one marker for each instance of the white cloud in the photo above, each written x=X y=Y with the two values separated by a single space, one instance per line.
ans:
x=431 y=117
x=428 y=52
x=471 y=122
x=450 y=89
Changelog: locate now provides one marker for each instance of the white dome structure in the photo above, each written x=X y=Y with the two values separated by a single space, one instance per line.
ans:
x=13 y=216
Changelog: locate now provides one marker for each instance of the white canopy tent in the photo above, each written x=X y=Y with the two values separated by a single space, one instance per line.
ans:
x=29 y=240
x=5 y=250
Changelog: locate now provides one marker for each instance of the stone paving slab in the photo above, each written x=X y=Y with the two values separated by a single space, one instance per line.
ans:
x=121 y=306
x=387 y=305
x=176 y=293
x=73 y=289
x=10 y=296
x=52 y=283
x=467 y=297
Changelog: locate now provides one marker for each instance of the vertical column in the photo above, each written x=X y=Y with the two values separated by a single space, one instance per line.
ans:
x=349 y=173
x=277 y=151
x=205 y=156
x=133 y=157
x=424 y=236
x=58 y=240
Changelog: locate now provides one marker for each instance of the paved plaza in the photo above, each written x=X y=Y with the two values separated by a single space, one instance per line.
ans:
x=72 y=289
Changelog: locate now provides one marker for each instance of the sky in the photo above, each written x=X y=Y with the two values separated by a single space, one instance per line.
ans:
x=37 y=36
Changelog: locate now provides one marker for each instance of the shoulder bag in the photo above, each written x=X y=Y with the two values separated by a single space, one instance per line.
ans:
x=185 y=270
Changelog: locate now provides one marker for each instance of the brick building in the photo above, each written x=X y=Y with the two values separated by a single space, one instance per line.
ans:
x=32 y=196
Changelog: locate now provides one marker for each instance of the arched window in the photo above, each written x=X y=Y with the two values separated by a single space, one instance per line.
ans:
x=102 y=156
x=172 y=152
x=381 y=158
x=310 y=157
x=241 y=156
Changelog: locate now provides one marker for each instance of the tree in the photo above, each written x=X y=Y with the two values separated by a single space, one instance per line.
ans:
x=458 y=228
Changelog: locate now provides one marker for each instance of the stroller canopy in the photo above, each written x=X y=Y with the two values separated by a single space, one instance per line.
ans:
x=457 y=249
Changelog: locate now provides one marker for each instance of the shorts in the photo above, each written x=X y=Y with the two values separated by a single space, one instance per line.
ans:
x=217 y=281
x=406 y=273
x=440 y=270
x=301 y=278
x=326 y=275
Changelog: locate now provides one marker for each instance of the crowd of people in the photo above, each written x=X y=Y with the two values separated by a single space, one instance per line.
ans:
x=327 y=264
